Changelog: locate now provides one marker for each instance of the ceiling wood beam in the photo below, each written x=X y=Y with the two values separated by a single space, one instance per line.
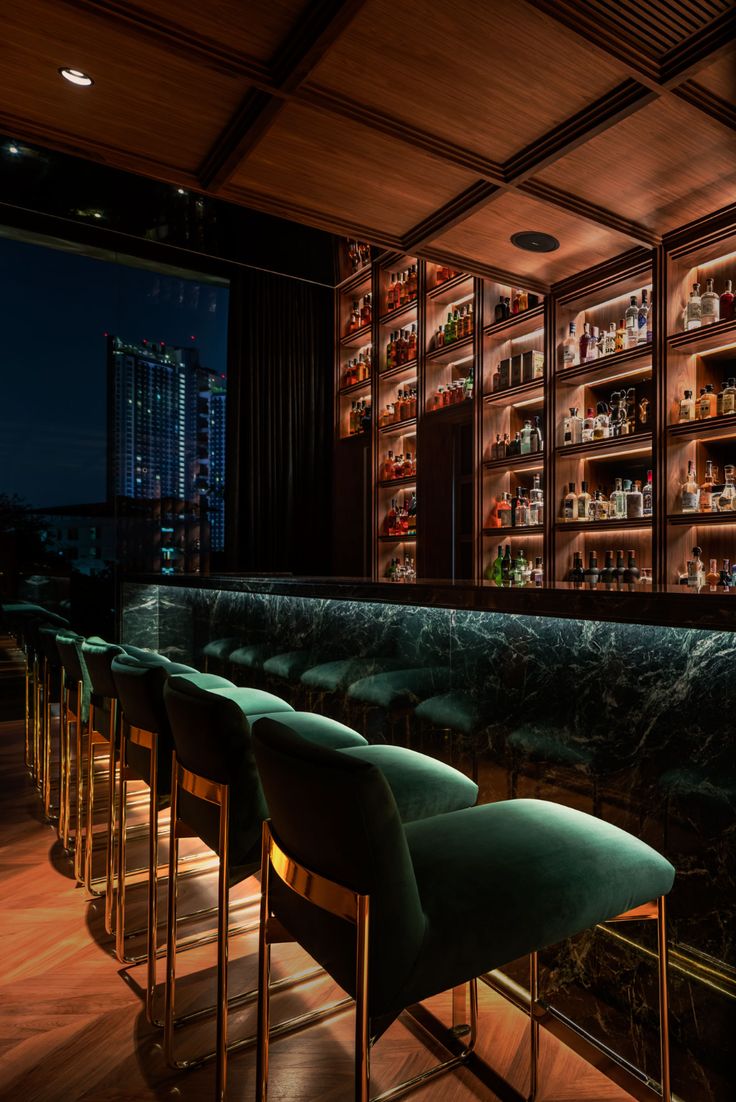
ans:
x=605 y=112
x=698 y=50
x=722 y=110
x=175 y=38
x=485 y=271
x=601 y=216
x=468 y=202
x=312 y=35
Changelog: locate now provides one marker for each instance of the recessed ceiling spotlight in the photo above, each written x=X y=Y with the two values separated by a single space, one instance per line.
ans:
x=13 y=148
x=534 y=241
x=181 y=191
x=76 y=76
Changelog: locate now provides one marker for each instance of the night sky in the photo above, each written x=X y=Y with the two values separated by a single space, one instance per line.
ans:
x=55 y=308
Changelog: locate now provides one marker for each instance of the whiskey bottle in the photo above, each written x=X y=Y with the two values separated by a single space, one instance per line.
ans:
x=726 y=303
x=621 y=335
x=592 y=573
x=606 y=574
x=499 y=313
x=570 y=348
x=693 y=310
x=706 y=489
x=687 y=407
x=713 y=577
x=609 y=340
x=577 y=573
x=708 y=404
x=631 y=573
x=535 y=439
x=631 y=318
x=729 y=397
x=709 y=305
x=602 y=427
x=619 y=569
x=696 y=569
x=690 y=491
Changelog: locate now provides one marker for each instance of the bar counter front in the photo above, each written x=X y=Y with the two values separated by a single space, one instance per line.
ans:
x=616 y=703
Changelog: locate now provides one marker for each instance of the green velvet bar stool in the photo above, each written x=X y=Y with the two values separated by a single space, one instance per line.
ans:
x=379 y=903
x=332 y=679
x=76 y=688
x=396 y=694
x=218 y=651
x=284 y=671
x=51 y=721
x=246 y=662
x=454 y=713
x=537 y=747
x=146 y=755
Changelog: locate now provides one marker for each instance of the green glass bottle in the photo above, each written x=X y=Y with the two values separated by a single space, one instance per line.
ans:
x=494 y=570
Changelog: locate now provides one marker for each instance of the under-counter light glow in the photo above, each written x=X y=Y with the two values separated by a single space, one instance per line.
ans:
x=76 y=76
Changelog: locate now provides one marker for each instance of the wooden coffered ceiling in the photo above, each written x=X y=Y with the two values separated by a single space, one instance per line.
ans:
x=439 y=127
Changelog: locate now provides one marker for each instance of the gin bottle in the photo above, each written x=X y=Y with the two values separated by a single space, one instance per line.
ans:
x=693 y=310
x=709 y=305
x=632 y=322
x=690 y=491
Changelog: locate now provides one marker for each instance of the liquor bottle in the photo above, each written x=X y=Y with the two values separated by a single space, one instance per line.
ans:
x=693 y=310
x=635 y=502
x=617 y=501
x=696 y=575
x=598 y=507
x=709 y=305
x=631 y=318
x=389 y=521
x=506 y=565
x=648 y=496
x=631 y=573
x=412 y=344
x=390 y=296
x=536 y=501
x=592 y=573
x=609 y=340
x=729 y=397
x=493 y=570
x=526 y=436
x=642 y=319
x=706 y=489
x=583 y=502
x=708 y=404
x=366 y=311
x=520 y=509
x=449 y=329
x=617 y=414
x=537 y=574
x=630 y=410
x=619 y=569
x=687 y=407
x=387 y=471
x=575 y=426
x=535 y=439
x=577 y=573
x=584 y=342
x=713 y=576
x=602 y=427
x=570 y=348
x=728 y=493
x=726 y=575
x=690 y=491
x=520 y=574
x=503 y=510
x=412 y=516
x=499 y=313
x=606 y=573
x=588 y=426
x=592 y=350
x=726 y=306
x=644 y=411
x=570 y=503
x=621 y=335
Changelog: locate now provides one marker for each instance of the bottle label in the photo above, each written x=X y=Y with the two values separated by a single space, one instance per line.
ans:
x=689 y=499
x=569 y=510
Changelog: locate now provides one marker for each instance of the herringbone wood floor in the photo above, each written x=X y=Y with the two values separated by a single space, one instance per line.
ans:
x=71 y=1022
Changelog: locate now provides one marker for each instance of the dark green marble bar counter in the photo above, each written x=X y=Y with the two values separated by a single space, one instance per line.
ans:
x=676 y=606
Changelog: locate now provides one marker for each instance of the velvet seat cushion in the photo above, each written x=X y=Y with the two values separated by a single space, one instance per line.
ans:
x=290 y=665
x=250 y=701
x=318 y=728
x=452 y=896
x=400 y=688
x=551 y=743
x=250 y=657
x=334 y=677
x=421 y=786
x=221 y=649
x=456 y=711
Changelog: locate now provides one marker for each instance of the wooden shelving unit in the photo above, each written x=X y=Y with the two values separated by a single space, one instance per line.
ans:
x=466 y=398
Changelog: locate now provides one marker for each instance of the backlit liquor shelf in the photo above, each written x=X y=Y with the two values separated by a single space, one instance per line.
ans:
x=583 y=428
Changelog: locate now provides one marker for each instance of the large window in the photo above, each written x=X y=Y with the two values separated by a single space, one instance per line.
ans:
x=112 y=412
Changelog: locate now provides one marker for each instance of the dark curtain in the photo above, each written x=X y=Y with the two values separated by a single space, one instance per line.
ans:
x=280 y=424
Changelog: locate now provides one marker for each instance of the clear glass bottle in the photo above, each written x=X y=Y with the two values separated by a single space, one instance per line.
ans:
x=592 y=351
x=728 y=493
x=537 y=574
x=709 y=305
x=575 y=427
x=687 y=407
x=693 y=310
x=618 y=501
x=584 y=342
x=588 y=426
x=570 y=348
x=526 y=434
x=719 y=399
x=536 y=501
x=535 y=440
x=696 y=575
x=690 y=491
x=631 y=318
x=520 y=509
x=609 y=341
x=602 y=427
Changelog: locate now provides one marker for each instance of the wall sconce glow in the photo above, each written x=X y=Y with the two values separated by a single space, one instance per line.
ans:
x=181 y=191
x=76 y=76
x=12 y=148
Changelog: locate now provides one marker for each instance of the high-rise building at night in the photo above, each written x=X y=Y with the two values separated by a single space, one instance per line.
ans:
x=166 y=430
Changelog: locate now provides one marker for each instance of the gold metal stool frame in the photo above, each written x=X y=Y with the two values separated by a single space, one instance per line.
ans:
x=218 y=795
x=355 y=908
